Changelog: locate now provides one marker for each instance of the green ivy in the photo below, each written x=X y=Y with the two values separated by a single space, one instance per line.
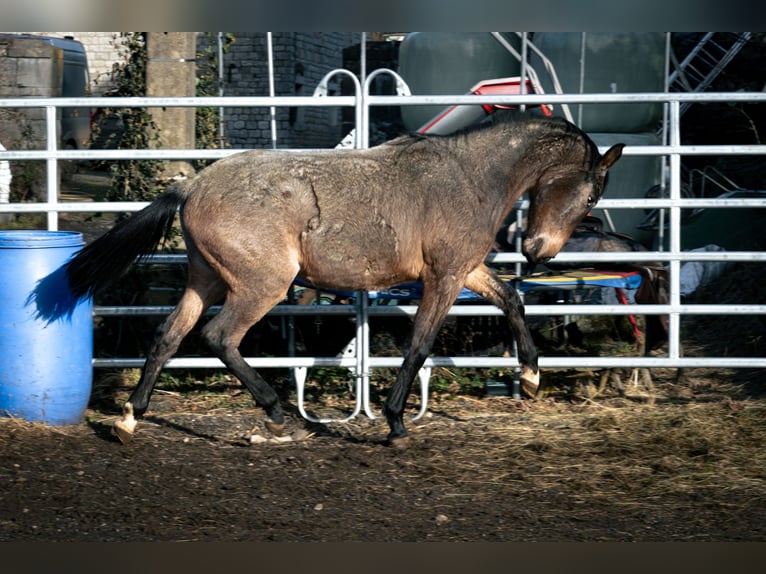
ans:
x=207 y=120
x=134 y=180
x=138 y=180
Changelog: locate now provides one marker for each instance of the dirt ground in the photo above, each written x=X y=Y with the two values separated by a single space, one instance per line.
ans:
x=682 y=459
x=684 y=463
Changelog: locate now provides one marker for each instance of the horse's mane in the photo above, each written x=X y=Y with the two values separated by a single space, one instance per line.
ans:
x=497 y=120
x=557 y=132
x=515 y=119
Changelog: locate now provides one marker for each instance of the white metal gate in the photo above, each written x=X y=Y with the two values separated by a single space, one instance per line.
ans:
x=362 y=362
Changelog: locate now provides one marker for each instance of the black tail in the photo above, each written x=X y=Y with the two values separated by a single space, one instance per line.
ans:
x=109 y=256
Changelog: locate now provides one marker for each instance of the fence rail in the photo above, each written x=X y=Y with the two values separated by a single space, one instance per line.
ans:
x=362 y=362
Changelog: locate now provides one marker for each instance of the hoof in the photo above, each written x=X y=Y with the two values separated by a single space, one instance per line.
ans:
x=126 y=426
x=400 y=442
x=530 y=382
x=277 y=429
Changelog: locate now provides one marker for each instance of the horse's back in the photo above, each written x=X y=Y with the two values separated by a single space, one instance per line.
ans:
x=335 y=212
x=359 y=219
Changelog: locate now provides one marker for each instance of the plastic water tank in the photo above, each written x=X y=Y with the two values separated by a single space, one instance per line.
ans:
x=631 y=177
x=613 y=63
x=442 y=63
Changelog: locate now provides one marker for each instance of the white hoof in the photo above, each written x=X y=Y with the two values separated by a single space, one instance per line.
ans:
x=530 y=381
x=126 y=426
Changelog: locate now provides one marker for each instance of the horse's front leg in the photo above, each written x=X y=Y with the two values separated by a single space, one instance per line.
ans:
x=438 y=296
x=485 y=282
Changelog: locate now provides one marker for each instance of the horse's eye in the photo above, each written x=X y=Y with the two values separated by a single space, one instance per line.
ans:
x=591 y=201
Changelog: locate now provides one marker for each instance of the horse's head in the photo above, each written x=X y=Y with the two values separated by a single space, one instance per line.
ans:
x=562 y=197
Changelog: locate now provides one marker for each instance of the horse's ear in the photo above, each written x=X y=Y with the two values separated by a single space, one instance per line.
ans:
x=611 y=156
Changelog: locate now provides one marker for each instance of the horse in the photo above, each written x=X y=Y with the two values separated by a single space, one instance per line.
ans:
x=416 y=208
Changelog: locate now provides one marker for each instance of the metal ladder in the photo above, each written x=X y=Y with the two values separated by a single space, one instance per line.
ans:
x=705 y=62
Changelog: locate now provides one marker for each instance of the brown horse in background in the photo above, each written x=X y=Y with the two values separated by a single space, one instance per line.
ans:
x=418 y=207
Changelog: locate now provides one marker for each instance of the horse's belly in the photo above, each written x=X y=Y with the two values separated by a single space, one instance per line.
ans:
x=346 y=257
x=348 y=279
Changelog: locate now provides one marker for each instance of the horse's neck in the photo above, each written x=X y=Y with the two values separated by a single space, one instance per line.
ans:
x=508 y=161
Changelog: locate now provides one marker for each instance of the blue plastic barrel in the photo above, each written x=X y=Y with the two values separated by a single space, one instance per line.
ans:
x=46 y=336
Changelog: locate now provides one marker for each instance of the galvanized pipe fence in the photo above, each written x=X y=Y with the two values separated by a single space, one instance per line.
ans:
x=361 y=363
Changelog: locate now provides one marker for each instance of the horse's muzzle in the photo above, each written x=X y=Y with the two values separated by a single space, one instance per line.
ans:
x=531 y=250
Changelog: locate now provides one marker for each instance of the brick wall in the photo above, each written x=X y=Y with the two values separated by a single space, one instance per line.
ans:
x=104 y=49
x=301 y=59
x=300 y=62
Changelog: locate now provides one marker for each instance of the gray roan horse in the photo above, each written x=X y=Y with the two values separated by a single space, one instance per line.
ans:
x=418 y=207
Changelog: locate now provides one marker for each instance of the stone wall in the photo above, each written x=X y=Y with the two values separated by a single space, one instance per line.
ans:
x=28 y=68
x=104 y=49
x=170 y=72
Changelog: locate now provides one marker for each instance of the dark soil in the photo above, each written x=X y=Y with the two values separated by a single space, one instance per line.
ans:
x=683 y=463
x=680 y=459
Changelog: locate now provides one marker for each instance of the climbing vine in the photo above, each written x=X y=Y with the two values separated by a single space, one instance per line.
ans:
x=207 y=120
x=132 y=180
x=138 y=180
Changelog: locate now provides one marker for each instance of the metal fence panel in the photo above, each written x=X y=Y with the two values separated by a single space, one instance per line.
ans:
x=363 y=362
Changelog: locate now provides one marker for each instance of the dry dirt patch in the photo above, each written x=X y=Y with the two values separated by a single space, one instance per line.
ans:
x=690 y=467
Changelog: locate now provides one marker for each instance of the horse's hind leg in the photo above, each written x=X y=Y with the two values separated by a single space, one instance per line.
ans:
x=201 y=292
x=485 y=282
x=225 y=331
